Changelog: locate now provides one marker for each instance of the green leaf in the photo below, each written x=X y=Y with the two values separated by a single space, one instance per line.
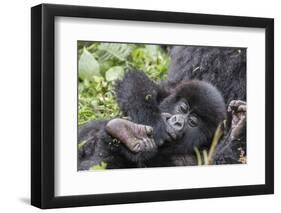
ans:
x=94 y=103
x=81 y=144
x=114 y=73
x=152 y=51
x=88 y=66
x=108 y=51
x=100 y=166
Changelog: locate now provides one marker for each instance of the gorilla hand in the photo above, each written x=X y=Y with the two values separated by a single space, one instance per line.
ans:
x=236 y=120
x=136 y=137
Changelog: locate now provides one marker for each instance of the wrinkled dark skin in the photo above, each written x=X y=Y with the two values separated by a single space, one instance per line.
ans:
x=136 y=137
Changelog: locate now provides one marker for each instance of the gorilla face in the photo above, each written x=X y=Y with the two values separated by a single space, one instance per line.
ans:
x=181 y=119
x=191 y=114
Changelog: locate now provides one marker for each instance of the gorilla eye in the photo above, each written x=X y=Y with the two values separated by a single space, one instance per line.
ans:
x=183 y=107
x=193 y=121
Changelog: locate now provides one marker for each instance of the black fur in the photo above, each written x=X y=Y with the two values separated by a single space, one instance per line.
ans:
x=138 y=97
x=99 y=147
x=223 y=67
x=207 y=102
x=144 y=100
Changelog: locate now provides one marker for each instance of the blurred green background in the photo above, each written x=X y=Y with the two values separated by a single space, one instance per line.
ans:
x=101 y=64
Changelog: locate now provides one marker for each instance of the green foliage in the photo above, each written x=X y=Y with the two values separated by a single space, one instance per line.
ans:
x=114 y=73
x=109 y=51
x=96 y=100
x=88 y=65
x=152 y=60
x=100 y=166
x=101 y=64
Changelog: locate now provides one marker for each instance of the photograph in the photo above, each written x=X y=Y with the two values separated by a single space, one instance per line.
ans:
x=136 y=105
x=160 y=105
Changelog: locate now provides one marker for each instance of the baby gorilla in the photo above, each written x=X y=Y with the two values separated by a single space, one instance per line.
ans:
x=181 y=119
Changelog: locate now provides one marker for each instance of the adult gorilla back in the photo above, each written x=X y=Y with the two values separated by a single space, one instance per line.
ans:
x=224 y=67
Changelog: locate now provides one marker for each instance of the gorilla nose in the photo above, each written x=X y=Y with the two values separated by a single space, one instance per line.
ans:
x=177 y=122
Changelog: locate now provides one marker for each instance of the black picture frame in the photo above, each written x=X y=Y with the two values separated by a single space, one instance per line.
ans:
x=43 y=111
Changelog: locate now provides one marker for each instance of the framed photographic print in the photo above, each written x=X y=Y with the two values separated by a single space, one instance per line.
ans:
x=139 y=106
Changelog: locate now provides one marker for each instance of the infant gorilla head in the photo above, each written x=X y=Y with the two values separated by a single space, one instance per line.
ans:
x=191 y=113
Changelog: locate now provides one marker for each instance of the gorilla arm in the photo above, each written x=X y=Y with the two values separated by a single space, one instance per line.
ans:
x=138 y=98
x=118 y=143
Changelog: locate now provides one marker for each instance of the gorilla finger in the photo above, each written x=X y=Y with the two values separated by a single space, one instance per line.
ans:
x=242 y=120
x=142 y=145
x=149 y=145
x=234 y=104
x=242 y=108
x=149 y=131
x=231 y=106
x=137 y=148
x=152 y=144
x=240 y=102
